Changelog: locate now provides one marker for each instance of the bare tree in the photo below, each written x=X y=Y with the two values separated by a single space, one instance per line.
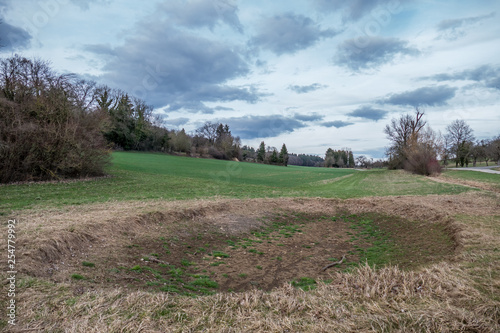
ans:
x=84 y=93
x=459 y=135
x=445 y=150
x=493 y=150
x=402 y=133
x=362 y=161
x=479 y=152
x=208 y=131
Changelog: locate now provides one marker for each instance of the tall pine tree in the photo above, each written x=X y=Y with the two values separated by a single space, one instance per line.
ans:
x=274 y=157
x=261 y=153
x=351 y=160
x=283 y=157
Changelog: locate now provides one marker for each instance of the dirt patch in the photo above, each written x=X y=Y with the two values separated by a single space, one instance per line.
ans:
x=213 y=247
x=291 y=246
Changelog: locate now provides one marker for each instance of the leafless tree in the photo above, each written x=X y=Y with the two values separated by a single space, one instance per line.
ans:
x=84 y=94
x=461 y=138
x=208 y=131
x=402 y=133
x=493 y=150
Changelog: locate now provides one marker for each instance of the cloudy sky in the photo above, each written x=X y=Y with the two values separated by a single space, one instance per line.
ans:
x=312 y=74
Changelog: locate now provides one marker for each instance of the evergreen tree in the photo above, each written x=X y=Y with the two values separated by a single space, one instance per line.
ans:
x=104 y=100
x=339 y=158
x=283 y=157
x=351 y=160
x=261 y=153
x=343 y=158
x=121 y=131
x=274 y=157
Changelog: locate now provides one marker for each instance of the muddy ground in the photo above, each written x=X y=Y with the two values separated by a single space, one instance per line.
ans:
x=201 y=247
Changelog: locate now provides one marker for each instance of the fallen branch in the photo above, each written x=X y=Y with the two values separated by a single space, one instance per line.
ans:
x=334 y=263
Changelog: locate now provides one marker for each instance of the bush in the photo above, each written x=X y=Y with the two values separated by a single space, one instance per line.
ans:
x=215 y=153
x=46 y=132
x=422 y=160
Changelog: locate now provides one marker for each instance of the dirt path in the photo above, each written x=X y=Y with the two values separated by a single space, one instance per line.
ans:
x=487 y=169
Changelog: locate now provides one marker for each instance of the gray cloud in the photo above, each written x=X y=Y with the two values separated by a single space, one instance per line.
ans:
x=356 y=9
x=251 y=127
x=168 y=66
x=308 y=117
x=306 y=89
x=487 y=75
x=222 y=93
x=176 y=121
x=368 y=112
x=430 y=96
x=374 y=153
x=453 y=29
x=202 y=13
x=371 y=52
x=336 y=123
x=11 y=37
x=288 y=33
x=222 y=108
x=101 y=49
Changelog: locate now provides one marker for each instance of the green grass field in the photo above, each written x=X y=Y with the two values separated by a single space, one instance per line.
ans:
x=492 y=180
x=474 y=176
x=143 y=176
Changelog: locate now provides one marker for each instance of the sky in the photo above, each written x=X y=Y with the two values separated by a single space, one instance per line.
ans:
x=311 y=74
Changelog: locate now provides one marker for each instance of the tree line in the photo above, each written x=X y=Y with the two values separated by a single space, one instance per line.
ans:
x=339 y=158
x=266 y=154
x=305 y=160
x=460 y=146
x=419 y=149
x=55 y=126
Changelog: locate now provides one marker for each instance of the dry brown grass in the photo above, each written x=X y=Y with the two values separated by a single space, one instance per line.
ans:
x=436 y=299
x=460 y=295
